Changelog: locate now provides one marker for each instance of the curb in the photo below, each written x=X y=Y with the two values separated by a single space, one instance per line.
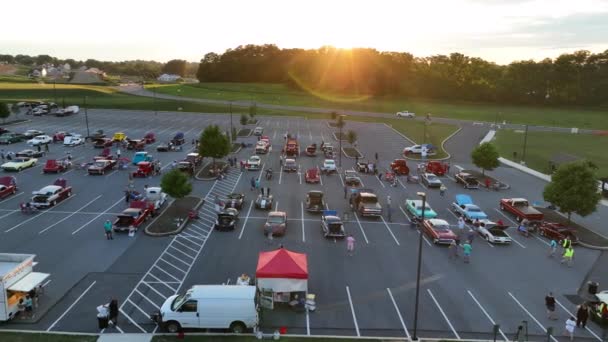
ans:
x=16 y=122
x=345 y=155
x=413 y=142
x=599 y=248
x=181 y=226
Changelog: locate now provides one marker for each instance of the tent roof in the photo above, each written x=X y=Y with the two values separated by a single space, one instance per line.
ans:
x=282 y=263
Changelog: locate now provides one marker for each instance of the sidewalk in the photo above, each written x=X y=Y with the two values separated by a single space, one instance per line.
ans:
x=125 y=338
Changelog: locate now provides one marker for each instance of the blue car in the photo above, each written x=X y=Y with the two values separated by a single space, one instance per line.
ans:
x=463 y=206
x=414 y=208
x=141 y=156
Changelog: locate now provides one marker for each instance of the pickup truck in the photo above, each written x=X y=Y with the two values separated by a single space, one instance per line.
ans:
x=365 y=202
x=467 y=180
x=291 y=148
x=132 y=217
x=521 y=208
x=261 y=147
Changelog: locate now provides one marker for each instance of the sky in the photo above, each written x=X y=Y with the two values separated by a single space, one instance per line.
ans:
x=496 y=30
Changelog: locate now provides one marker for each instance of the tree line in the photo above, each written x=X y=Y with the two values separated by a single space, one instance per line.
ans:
x=578 y=78
x=142 y=68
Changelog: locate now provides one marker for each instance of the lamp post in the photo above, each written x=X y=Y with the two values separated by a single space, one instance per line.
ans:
x=523 y=155
x=341 y=123
x=55 y=89
x=415 y=334
x=179 y=93
x=230 y=107
x=154 y=99
x=86 y=116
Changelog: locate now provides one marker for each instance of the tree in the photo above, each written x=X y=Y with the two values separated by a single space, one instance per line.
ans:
x=176 y=184
x=4 y=111
x=253 y=109
x=176 y=67
x=244 y=119
x=213 y=143
x=340 y=122
x=485 y=156
x=351 y=136
x=574 y=189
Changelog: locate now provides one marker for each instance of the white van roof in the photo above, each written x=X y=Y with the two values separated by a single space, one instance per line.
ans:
x=222 y=291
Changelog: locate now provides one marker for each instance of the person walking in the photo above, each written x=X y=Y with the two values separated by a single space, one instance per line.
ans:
x=376 y=155
x=29 y=307
x=550 y=305
x=118 y=154
x=453 y=250
x=269 y=235
x=46 y=147
x=389 y=201
x=113 y=308
x=38 y=148
x=127 y=194
x=345 y=191
x=350 y=245
x=470 y=236
x=257 y=184
x=442 y=190
x=552 y=248
x=582 y=314
x=466 y=251
x=570 y=327
x=461 y=225
x=107 y=226
x=252 y=184
x=566 y=243
x=568 y=256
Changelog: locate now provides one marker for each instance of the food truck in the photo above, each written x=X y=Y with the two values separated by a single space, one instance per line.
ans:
x=17 y=278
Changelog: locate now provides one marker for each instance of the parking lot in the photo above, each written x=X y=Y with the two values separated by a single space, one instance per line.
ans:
x=371 y=293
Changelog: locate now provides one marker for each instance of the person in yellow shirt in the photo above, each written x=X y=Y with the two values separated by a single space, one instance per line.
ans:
x=568 y=256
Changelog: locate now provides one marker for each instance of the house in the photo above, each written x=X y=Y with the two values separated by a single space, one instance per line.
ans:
x=168 y=78
x=38 y=73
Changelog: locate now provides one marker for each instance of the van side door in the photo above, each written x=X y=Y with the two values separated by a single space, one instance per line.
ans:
x=188 y=314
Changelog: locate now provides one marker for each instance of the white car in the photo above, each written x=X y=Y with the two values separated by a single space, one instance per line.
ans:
x=258 y=131
x=30 y=133
x=493 y=233
x=329 y=165
x=40 y=140
x=405 y=114
x=254 y=163
x=73 y=140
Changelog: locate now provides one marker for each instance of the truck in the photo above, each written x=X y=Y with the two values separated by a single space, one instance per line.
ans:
x=17 y=278
x=365 y=202
x=132 y=217
x=156 y=197
x=521 y=208
x=291 y=148
x=467 y=180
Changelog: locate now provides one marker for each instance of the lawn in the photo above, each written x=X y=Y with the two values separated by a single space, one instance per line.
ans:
x=39 y=337
x=281 y=95
x=542 y=146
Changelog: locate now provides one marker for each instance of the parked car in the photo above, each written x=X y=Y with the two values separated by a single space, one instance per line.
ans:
x=521 y=208
x=40 y=140
x=314 y=201
x=30 y=133
x=226 y=219
x=332 y=225
x=235 y=200
x=10 y=138
x=557 y=231
x=365 y=202
x=414 y=208
x=431 y=180
x=464 y=206
x=141 y=156
x=50 y=195
x=262 y=147
x=405 y=114
x=102 y=142
x=73 y=140
x=132 y=217
x=439 y=231
x=264 y=200
x=19 y=163
x=258 y=131
x=493 y=233
x=467 y=180
x=101 y=166
x=312 y=176
x=30 y=153
x=290 y=165
x=417 y=149
x=329 y=166
x=254 y=163
x=8 y=186
x=276 y=223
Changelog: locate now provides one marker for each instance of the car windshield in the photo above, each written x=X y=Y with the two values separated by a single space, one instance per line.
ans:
x=19 y=160
x=100 y=164
x=276 y=219
x=330 y=162
x=179 y=300
x=432 y=178
x=441 y=227
x=225 y=219
x=474 y=210
x=369 y=199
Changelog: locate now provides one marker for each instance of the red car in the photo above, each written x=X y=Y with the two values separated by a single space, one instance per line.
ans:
x=8 y=186
x=557 y=231
x=312 y=176
x=103 y=142
x=149 y=138
x=439 y=231
x=101 y=166
x=399 y=166
x=56 y=166
x=134 y=216
x=144 y=169
x=438 y=168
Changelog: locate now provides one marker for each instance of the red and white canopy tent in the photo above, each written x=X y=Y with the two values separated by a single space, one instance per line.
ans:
x=282 y=271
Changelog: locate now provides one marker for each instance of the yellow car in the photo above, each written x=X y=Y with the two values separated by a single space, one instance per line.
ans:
x=119 y=136
x=20 y=163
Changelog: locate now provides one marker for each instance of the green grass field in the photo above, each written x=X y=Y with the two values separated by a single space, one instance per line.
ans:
x=280 y=94
x=35 y=337
x=542 y=146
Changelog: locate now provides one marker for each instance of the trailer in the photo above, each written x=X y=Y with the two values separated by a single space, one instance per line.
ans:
x=17 y=278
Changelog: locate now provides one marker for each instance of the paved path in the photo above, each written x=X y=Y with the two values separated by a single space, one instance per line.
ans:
x=125 y=338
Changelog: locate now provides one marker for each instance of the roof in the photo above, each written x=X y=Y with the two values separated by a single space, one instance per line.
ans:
x=438 y=222
x=517 y=199
x=222 y=291
x=49 y=188
x=463 y=199
x=131 y=212
x=282 y=263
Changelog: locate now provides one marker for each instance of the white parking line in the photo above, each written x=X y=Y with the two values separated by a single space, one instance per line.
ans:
x=147 y=283
x=302 y=209
x=390 y=231
x=405 y=214
x=67 y=217
x=361 y=227
x=487 y=315
x=147 y=299
x=280 y=175
x=529 y=314
x=352 y=309
x=276 y=207
x=517 y=242
x=443 y=314
x=341 y=180
x=390 y=294
x=71 y=306
x=379 y=181
x=246 y=219
x=586 y=328
x=42 y=212
x=505 y=216
x=96 y=217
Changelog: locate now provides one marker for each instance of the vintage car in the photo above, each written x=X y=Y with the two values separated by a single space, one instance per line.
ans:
x=436 y=167
x=431 y=180
x=30 y=154
x=97 y=135
x=60 y=135
x=332 y=225
x=40 y=140
x=365 y=167
x=312 y=176
x=227 y=219
x=492 y=232
x=119 y=137
x=149 y=138
x=9 y=138
x=414 y=209
x=102 y=143
x=194 y=158
x=254 y=163
x=178 y=139
x=276 y=223
x=234 y=200
x=262 y=147
x=101 y=166
x=290 y=165
x=399 y=166
x=365 y=202
x=351 y=178
x=405 y=114
x=186 y=167
x=311 y=150
x=417 y=149
x=329 y=166
x=105 y=154
x=136 y=144
x=264 y=200
x=8 y=186
x=30 y=133
x=132 y=217
x=258 y=131
x=73 y=140
x=557 y=231
x=467 y=180
x=141 y=156
x=439 y=231
x=50 y=195
x=144 y=169
x=314 y=201
x=56 y=165
x=165 y=147
x=463 y=206
x=155 y=196
x=19 y=163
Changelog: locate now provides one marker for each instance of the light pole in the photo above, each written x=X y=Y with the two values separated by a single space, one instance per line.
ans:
x=179 y=93
x=423 y=196
x=154 y=99
x=230 y=107
x=340 y=124
x=55 y=89
x=523 y=155
x=86 y=116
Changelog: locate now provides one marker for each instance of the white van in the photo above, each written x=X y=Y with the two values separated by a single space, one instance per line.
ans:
x=211 y=307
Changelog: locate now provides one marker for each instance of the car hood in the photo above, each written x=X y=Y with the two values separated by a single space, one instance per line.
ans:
x=427 y=213
x=445 y=234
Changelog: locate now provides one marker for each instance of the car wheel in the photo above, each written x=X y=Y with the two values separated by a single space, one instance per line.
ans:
x=53 y=203
x=19 y=169
x=237 y=327
x=172 y=327
x=69 y=193
x=488 y=238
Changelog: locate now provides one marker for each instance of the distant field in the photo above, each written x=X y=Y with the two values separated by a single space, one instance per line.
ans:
x=280 y=94
x=542 y=146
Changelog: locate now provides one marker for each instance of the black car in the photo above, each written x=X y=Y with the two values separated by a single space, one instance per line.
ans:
x=30 y=154
x=165 y=147
x=226 y=219
x=314 y=201
x=235 y=200
x=264 y=200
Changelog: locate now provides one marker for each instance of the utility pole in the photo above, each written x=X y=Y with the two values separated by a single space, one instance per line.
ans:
x=86 y=116
x=523 y=155
x=55 y=89
x=231 y=129
x=421 y=221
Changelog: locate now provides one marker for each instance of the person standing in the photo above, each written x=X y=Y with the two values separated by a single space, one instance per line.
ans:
x=46 y=147
x=34 y=295
x=29 y=307
x=570 y=327
x=350 y=245
x=470 y=236
x=127 y=194
x=550 y=305
x=389 y=201
x=252 y=184
x=552 y=248
x=568 y=256
x=345 y=191
x=442 y=190
x=269 y=235
x=566 y=243
x=582 y=314
x=113 y=308
x=376 y=155
x=466 y=251
x=453 y=250
x=107 y=226
x=461 y=225
x=257 y=184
